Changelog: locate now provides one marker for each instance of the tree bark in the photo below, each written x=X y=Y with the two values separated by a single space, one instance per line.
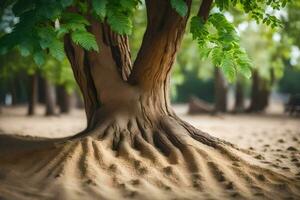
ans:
x=32 y=95
x=50 y=98
x=64 y=100
x=117 y=93
x=14 y=91
x=260 y=93
x=220 y=91
x=239 y=105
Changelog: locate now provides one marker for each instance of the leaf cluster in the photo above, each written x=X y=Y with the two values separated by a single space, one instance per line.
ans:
x=259 y=10
x=218 y=39
x=44 y=23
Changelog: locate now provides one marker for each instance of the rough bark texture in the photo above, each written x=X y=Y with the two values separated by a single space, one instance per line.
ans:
x=260 y=93
x=32 y=95
x=50 y=98
x=220 y=91
x=64 y=100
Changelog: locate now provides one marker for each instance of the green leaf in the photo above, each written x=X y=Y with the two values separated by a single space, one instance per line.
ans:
x=245 y=70
x=119 y=22
x=62 y=30
x=71 y=27
x=49 y=10
x=180 y=7
x=205 y=52
x=219 y=21
x=128 y=4
x=25 y=48
x=39 y=58
x=83 y=6
x=222 y=4
x=74 y=18
x=22 y=6
x=66 y=3
x=85 y=39
x=198 y=28
x=228 y=68
x=56 y=49
x=218 y=38
x=217 y=56
x=99 y=6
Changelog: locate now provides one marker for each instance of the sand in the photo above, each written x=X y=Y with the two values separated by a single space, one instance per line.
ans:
x=87 y=169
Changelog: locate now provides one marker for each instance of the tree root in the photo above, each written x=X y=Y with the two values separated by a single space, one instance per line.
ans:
x=130 y=159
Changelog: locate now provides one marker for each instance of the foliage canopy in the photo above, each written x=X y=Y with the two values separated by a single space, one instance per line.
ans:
x=44 y=23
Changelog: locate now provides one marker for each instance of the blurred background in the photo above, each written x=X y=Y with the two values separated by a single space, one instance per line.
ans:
x=45 y=100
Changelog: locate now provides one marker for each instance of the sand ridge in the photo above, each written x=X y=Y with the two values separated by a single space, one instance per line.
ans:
x=90 y=169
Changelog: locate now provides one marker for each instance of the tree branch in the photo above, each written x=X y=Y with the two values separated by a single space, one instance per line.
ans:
x=109 y=64
x=161 y=40
x=119 y=45
x=100 y=75
x=205 y=9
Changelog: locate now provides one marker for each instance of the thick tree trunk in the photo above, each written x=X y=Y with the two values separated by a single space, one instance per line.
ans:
x=239 y=105
x=64 y=100
x=50 y=98
x=260 y=93
x=220 y=91
x=32 y=95
x=135 y=98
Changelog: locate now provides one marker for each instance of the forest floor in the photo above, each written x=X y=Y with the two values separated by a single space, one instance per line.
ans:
x=273 y=135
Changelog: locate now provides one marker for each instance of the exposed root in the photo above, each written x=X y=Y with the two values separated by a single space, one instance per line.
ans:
x=131 y=159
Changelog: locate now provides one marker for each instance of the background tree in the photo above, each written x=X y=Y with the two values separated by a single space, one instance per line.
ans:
x=290 y=82
x=267 y=52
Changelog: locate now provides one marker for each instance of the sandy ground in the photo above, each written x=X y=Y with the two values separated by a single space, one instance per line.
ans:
x=274 y=137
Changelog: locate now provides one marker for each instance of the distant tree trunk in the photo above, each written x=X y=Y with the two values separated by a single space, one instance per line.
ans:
x=78 y=100
x=14 y=95
x=64 y=100
x=220 y=91
x=260 y=93
x=41 y=90
x=50 y=97
x=239 y=104
x=32 y=97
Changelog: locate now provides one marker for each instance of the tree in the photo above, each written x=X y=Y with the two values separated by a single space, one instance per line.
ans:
x=221 y=88
x=268 y=62
x=239 y=103
x=58 y=73
x=289 y=84
x=127 y=105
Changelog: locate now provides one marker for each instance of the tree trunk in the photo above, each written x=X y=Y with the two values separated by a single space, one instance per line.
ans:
x=32 y=96
x=239 y=104
x=50 y=98
x=259 y=94
x=14 y=95
x=133 y=137
x=78 y=100
x=64 y=100
x=220 y=91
